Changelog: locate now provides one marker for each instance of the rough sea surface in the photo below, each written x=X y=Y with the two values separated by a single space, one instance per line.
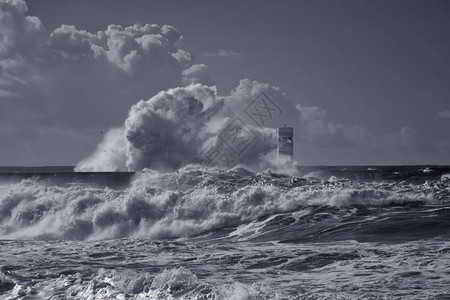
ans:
x=200 y=233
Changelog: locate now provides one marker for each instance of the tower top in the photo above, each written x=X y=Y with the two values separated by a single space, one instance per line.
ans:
x=285 y=129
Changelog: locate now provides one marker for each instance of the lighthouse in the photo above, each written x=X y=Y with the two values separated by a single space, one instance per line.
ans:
x=285 y=143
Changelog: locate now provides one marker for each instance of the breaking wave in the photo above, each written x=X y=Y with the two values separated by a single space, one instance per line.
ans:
x=206 y=202
x=192 y=124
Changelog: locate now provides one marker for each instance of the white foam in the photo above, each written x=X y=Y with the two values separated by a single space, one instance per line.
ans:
x=154 y=207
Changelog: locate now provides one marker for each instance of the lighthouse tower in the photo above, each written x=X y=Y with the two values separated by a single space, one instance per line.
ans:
x=285 y=145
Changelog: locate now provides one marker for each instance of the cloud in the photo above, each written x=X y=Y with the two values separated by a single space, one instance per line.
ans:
x=317 y=130
x=77 y=80
x=59 y=89
x=444 y=114
x=310 y=123
x=223 y=54
x=317 y=140
x=197 y=73
x=20 y=35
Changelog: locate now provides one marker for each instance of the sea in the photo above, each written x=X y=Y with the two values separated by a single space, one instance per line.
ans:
x=365 y=232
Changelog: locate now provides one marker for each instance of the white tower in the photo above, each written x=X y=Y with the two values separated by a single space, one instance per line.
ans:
x=285 y=145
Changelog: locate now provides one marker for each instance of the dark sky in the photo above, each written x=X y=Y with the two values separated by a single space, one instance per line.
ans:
x=380 y=65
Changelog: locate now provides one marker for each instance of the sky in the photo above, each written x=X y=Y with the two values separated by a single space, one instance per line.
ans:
x=369 y=80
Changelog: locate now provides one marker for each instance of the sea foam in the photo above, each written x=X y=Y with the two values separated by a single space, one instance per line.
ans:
x=191 y=201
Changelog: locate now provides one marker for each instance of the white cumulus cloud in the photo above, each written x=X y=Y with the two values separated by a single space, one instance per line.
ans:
x=77 y=80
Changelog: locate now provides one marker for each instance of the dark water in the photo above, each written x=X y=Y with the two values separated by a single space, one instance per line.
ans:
x=329 y=233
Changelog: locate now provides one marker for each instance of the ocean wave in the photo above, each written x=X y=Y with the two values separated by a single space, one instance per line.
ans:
x=189 y=202
x=174 y=283
x=188 y=269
